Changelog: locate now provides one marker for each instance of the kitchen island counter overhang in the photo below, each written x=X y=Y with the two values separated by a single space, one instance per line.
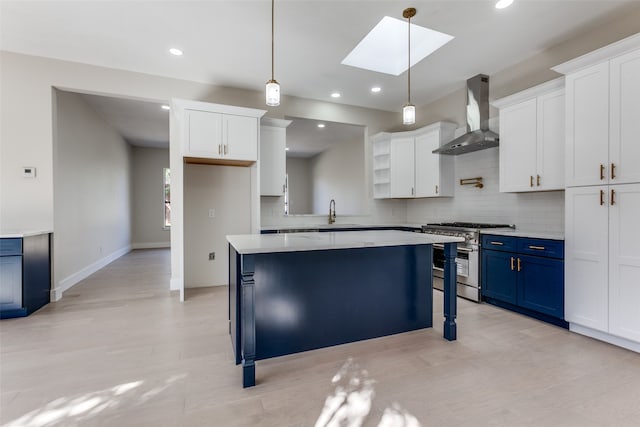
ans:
x=295 y=292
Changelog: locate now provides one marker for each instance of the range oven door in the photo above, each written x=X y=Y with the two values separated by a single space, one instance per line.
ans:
x=467 y=261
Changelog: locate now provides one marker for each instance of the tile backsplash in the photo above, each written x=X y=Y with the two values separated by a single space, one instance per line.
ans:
x=542 y=211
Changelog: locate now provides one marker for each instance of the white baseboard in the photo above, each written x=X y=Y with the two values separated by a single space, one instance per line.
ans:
x=603 y=336
x=152 y=245
x=87 y=271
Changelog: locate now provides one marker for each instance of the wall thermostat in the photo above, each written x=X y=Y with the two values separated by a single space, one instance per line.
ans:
x=28 y=172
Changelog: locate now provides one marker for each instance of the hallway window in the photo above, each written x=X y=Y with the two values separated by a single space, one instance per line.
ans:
x=166 y=173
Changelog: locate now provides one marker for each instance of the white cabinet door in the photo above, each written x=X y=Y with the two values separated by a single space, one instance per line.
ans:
x=587 y=151
x=586 y=257
x=624 y=261
x=240 y=137
x=427 y=165
x=204 y=138
x=624 y=143
x=402 y=167
x=518 y=146
x=551 y=141
x=273 y=142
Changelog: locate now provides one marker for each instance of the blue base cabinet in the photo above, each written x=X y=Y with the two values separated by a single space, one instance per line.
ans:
x=25 y=274
x=524 y=275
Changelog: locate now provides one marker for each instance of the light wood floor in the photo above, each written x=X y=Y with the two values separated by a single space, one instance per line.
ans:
x=119 y=349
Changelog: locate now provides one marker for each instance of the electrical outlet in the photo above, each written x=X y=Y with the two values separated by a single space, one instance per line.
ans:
x=212 y=256
x=212 y=213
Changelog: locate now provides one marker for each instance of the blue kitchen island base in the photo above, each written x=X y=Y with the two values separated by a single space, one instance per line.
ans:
x=288 y=302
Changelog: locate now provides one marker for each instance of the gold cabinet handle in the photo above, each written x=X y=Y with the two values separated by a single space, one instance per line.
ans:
x=436 y=189
x=530 y=180
x=601 y=197
x=519 y=265
x=512 y=260
x=226 y=149
x=537 y=248
x=219 y=149
x=613 y=171
x=538 y=180
x=497 y=243
x=613 y=197
x=601 y=171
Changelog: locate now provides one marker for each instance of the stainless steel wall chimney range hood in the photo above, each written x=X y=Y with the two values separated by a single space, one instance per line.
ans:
x=478 y=136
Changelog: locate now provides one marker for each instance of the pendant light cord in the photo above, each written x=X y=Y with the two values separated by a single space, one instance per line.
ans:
x=409 y=64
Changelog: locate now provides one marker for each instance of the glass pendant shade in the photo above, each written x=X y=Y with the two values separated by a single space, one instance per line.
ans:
x=409 y=114
x=273 y=93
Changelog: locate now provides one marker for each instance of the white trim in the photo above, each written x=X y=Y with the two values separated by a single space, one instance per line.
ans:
x=530 y=93
x=274 y=123
x=218 y=108
x=175 y=284
x=603 y=336
x=68 y=282
x=151 y=245
x=598 y=56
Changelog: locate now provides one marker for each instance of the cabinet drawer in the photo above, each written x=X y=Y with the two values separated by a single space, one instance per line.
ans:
x=542 y=247
x=10 y=247
x=499 y=243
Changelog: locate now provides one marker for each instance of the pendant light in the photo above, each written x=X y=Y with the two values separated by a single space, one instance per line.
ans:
x=273 y=87
x=409 y=110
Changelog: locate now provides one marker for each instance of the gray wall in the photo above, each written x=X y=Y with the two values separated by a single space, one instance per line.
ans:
x=226 y=189
x=148 y=197
x=92 y=174
x=300 y=185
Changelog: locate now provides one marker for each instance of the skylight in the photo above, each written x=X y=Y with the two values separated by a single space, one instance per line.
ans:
x=384 y=49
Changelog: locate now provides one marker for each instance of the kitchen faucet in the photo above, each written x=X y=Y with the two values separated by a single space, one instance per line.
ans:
x=332 y=212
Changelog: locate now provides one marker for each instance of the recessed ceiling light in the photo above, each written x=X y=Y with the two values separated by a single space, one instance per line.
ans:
x=336 y=95
x=376 y=89
x=384 y=48
x=165 y=107
x=321 y=125
x=175 y=51
x=501 y=4
x=286 y=148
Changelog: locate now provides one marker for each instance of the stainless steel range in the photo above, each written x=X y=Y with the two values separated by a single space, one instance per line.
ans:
x=468 y=258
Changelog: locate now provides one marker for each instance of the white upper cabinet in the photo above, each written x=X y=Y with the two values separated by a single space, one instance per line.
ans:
x=402 y=167
x=603 y=116
x=532 y=135
x=624 y=139
x=588 y=126
x=405 y=167
x=204 y=134
x=273 y=158
x=220 y=134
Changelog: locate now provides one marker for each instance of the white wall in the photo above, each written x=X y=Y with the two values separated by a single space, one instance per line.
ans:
x=338 y=174
x=148 y=197
x=227 y=190
x=92 y=174
x=300 y=186
x=543 y=211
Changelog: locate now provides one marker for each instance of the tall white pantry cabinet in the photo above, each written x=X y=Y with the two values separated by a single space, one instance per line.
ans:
x=602 y=253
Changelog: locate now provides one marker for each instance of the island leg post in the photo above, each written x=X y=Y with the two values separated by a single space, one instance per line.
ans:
x=248 y=321
x=450 y=301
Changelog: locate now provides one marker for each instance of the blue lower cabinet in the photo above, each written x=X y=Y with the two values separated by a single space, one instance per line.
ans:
x=541 y=285
x=531 y=285
x=498 y=278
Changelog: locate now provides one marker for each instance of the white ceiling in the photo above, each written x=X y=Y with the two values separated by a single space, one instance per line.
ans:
x=144 y=124
x=228 y=42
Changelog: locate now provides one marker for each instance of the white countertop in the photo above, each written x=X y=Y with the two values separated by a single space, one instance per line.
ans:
x=526 y=233
x=333 y=226
x=294 y=242
x=20 y=234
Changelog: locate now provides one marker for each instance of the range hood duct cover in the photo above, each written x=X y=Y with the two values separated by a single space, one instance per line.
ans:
x=478 y=136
